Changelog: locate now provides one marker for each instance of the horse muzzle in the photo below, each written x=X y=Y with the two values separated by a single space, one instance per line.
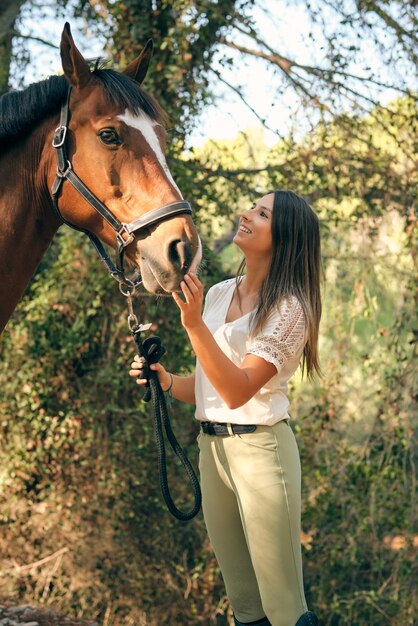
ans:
x=163 y=271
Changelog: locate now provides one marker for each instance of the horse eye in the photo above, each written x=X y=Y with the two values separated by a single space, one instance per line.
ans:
x=109 y=137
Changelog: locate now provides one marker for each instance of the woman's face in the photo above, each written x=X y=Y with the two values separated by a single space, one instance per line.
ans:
x=254 y=231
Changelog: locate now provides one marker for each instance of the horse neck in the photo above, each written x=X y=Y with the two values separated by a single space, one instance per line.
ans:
x=26 y=213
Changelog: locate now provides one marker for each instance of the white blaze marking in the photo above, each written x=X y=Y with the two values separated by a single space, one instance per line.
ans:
x=145 y=125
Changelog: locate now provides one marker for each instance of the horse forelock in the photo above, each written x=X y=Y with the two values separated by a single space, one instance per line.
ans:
x=125 y=93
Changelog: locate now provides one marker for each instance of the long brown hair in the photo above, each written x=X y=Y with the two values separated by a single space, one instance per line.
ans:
x=295 y=270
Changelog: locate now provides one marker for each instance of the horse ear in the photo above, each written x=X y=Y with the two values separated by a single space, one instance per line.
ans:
x=138 y=69
x=76 y=68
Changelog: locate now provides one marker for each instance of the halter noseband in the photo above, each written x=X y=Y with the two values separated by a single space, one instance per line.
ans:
x=125 y=232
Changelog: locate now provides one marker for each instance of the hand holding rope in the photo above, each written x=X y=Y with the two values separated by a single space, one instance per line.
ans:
x=151 y=350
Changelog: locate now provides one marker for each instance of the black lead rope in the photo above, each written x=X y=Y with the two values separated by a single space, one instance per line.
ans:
x=152 y=350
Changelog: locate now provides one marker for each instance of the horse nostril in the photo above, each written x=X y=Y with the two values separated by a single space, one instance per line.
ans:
x=179 y=254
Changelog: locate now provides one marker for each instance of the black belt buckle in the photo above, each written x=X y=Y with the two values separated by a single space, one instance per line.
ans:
x=223 y=430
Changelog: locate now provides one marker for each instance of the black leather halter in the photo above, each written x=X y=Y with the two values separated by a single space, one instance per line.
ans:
x=125 y=232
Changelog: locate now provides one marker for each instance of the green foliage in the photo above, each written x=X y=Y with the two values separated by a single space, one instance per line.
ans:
x=78 y=445
x=82 y=524
x=79 y=469
x=360 y=491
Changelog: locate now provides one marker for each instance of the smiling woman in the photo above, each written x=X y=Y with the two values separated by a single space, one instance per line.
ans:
x=254 y=332
x=112 y=181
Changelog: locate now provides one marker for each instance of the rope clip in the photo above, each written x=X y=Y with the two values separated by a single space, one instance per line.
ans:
x=133 y=323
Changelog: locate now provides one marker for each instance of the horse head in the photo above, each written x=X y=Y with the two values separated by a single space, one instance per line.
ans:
x=115 y=143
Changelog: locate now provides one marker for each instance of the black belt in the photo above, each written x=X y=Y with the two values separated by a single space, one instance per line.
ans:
x=215 y=428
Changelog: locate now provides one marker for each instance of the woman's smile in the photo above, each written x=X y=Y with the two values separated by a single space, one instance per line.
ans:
x=257 y=221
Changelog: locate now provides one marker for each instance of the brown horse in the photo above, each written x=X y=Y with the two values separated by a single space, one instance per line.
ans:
x=115 y=145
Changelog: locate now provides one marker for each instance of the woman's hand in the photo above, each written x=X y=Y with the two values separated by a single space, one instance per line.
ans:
x=137 y=367
x=191 y=307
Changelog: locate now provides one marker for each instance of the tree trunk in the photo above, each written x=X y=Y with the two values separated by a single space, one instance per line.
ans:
x=9 y=10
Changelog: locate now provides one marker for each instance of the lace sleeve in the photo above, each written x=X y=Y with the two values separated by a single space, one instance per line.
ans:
x=283 y=336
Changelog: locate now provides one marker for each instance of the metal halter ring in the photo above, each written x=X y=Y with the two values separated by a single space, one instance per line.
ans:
x=130 y=289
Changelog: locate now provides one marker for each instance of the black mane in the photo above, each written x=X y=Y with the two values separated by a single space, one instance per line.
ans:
x=20 y=111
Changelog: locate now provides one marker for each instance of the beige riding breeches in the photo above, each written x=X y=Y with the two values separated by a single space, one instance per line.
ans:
x=251 y=504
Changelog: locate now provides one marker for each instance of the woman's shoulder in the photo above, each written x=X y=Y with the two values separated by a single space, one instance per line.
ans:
x=289 y=303
x=220 y=288
x=289 y=309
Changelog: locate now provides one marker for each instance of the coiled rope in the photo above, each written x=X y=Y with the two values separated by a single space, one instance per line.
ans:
x=151 y=350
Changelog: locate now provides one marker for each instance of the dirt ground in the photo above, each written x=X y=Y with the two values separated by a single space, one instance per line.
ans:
x=26 y=615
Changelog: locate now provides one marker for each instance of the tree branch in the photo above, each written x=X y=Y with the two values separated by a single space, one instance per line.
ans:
x=239 y=94
x=227 y=173
x=373 y=7
x=284 y=64
x=33 y=38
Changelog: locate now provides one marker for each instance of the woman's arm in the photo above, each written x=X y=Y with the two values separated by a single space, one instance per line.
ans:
x=182 y=387
x=236 y=385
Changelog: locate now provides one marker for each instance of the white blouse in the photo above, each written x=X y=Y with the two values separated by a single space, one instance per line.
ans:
x=281 y=342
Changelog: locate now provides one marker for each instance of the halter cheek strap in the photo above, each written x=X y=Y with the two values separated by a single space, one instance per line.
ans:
x=125 y=232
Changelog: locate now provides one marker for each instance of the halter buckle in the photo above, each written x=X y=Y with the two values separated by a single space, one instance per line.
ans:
x=123 y=243
x=60 y=135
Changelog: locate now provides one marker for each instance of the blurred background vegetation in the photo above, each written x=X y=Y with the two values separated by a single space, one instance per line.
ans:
x=82 y=524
